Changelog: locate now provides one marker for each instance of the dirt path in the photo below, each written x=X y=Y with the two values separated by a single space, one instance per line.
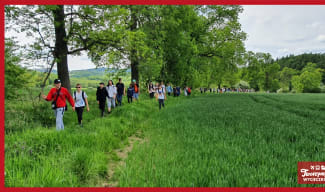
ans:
x=122 y=154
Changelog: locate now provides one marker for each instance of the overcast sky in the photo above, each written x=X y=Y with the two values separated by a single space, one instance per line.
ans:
x=284 y=30
x=279 y=30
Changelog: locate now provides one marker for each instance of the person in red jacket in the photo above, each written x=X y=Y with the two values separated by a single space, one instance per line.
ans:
x=60 y=103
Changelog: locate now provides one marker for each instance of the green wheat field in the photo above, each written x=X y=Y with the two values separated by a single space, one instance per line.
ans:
x=205 y=140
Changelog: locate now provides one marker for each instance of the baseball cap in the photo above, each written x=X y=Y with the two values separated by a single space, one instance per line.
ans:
x=57 y=81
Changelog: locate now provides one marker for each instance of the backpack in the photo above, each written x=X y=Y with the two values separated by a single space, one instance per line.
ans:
x=83 y=95
x=162 y=90
x=130 y=92
x=135 y=88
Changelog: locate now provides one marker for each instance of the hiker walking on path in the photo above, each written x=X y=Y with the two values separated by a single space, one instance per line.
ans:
x=163 y=86
x=101 y=95
x=151 y=90
x=111 y=91
x=185 y=91
x=136 y=90
x=174 y=91
x=120 y=91
x=156 y=88
x=130 y=93
x=178 y=91
x=161 y=96
x=80 y=99
x=189 y=91
x=169 y=89
x=58 y=96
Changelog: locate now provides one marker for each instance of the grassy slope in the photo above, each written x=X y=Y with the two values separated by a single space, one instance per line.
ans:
x=229 y=140
x=40 y=156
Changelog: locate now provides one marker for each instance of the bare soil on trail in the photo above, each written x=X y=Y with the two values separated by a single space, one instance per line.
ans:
x=122 y=155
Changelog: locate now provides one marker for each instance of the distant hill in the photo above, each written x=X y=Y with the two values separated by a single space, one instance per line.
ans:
x=300 y=61
x=99 y=72
x=95 y=72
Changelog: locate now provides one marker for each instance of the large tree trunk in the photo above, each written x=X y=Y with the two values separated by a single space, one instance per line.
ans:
x=133 y=53
x=61 y=47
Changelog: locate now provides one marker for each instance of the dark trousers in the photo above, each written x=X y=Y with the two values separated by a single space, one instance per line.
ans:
x=102 y=107
x=168 y=93
x=79 y=111
x=161 y=103
x=119 y=99
x=129 y=99
x=152 y=94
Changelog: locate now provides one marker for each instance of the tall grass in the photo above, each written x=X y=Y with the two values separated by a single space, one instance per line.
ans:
x=37 y=155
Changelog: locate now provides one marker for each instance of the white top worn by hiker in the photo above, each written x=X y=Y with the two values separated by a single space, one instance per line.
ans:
x=111 y=90
x=80 y=98
x=161 y=93
x=164 y=88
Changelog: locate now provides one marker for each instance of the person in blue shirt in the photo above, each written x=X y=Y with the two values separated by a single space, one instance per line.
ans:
x=169 y=89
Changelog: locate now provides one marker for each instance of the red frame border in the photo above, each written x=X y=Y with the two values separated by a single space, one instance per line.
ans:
x=139 y=2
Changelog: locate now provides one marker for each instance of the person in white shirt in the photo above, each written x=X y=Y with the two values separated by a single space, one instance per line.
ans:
x=111 y=90
x=80 y=98
x=160 y=96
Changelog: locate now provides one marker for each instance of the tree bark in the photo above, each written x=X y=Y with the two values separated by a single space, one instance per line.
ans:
x=133 y=54
x=61 y=47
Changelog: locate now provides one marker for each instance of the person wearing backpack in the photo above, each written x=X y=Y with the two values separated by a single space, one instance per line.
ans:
x=130 y=93
x=178 y=91
x=101 y=95
x=189 y=91
x=174 y=91
x=151 y=90
x=111 y=91
x=58 y=96
x=161 y=96
x=80 y=99
x=169 y=89
x=136 y=90
x=120 y=91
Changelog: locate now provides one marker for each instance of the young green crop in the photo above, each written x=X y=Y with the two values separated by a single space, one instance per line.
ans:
x=229 y=140
x=206 y=140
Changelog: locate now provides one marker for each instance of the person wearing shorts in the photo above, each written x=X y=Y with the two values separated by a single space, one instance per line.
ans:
x=136 y=90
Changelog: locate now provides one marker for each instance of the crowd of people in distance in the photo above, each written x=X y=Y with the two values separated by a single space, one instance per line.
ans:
x=160 y=92
x=225 y=90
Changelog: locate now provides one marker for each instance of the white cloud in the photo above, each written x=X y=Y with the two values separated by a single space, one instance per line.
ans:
x=321 y=38
x=283 y=30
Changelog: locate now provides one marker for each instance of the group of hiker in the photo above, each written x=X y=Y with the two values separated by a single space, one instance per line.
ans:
x=225 y=90
x=110 y=93
x=113 y=94
x=176 y=90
